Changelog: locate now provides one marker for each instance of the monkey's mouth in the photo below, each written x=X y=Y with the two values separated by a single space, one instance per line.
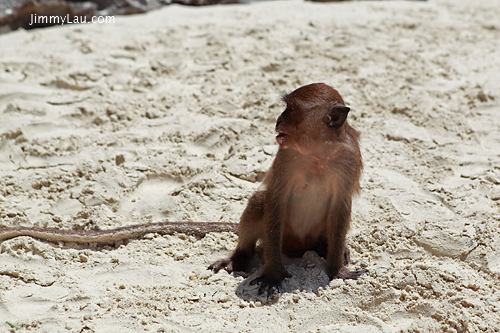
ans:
x=280 y=138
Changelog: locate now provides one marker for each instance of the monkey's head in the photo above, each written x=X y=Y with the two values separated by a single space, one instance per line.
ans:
x=314 y=113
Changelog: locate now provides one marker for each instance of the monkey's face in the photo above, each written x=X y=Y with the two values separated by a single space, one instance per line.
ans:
x=287 y=125
x=314 y=113
x=321 y=123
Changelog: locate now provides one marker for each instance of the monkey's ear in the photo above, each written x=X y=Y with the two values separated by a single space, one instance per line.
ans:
x=336 y=116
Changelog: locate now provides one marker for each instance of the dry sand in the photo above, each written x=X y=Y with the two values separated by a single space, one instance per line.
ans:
x=188 y=96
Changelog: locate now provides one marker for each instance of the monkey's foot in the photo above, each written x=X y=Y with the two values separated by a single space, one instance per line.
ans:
x=269 y=285
x=345 y=274
x=227 y=264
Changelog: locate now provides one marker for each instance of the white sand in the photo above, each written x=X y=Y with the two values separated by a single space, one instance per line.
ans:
x=189 y=97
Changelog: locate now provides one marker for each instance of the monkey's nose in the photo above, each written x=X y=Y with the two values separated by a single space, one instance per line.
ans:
x=279 y=120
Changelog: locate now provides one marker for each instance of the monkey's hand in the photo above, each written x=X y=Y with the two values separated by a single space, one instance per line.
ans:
x=227 y=264
x=238 y=262
x=345 y=274
x=268 y=284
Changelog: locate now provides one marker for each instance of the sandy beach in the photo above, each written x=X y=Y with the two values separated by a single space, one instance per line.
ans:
x=170 y=115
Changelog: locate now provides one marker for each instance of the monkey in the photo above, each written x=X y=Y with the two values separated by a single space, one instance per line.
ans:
x=305 y=203
x=112 y=236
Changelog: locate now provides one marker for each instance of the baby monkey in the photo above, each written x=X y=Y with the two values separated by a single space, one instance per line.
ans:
x=307 y=196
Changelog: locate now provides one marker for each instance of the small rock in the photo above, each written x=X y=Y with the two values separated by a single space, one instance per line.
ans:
x=119 y=159
x=482 y=96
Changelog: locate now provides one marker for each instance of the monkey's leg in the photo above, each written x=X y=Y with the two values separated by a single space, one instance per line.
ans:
x=338 y=255
x=347 y=256
x=250 y=229
x=321 y=248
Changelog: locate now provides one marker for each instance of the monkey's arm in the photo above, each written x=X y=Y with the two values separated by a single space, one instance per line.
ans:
x=338 y=221
x=337 y=227
x=337 y=254
x=274 y=271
